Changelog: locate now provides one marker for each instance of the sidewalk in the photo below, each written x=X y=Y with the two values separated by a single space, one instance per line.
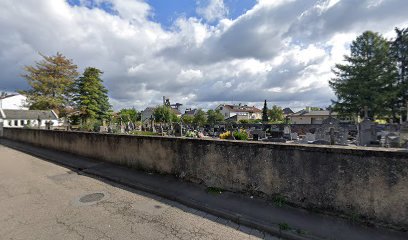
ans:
x=285 y=222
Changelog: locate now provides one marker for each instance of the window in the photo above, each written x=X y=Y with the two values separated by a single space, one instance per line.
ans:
x=22 y=122
x=15 y=122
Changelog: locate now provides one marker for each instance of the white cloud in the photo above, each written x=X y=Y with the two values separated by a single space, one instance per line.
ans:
x=282 y=51
x=213 y=11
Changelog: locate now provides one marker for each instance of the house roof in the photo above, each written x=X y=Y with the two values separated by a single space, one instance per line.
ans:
x=7 y=96
x=190 y=112
x=314 y=113
x=29 y=114
x=242 y=108
x=287 y=111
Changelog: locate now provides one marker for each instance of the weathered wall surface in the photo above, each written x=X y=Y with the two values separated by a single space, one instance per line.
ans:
x=358 y=182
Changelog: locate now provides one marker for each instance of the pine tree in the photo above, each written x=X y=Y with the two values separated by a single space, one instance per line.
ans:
x=400 y=52
x=367 y=79
x=51 y=81
x=265 y=113
x=91 y=96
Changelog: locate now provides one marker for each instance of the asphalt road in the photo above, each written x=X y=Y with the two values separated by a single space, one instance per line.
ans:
x=41 y=200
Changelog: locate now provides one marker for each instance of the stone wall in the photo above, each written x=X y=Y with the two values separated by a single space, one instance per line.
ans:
x=358 y=182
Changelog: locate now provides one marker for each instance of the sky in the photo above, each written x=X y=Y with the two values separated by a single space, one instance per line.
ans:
x=200 y=53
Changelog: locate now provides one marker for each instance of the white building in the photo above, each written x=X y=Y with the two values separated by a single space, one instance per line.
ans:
x=30 y=118
x=244 y=111
x=14 y=101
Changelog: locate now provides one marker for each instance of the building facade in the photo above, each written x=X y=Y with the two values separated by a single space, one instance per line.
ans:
x=243 y=111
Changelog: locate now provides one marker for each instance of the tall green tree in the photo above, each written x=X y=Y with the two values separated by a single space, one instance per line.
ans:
x=399 y=49
x=366 y=79
x=129 y=115
x=51 y=81
x=91 y=96
x=214 y=116
x=164 y=114
x=187 y=119
x=265 y=113
x=200 y=118
x=276 y=114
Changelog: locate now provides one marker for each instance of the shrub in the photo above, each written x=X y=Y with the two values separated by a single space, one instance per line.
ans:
x=225 y=135
x=241 y=135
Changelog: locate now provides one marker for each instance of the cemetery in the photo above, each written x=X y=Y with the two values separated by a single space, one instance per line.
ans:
x=330 y=132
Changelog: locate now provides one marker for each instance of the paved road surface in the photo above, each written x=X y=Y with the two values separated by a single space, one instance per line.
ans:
x=41 y=200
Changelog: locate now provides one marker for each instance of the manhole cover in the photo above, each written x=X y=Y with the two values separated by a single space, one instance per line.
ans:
x=90 y=198
x=93 y=197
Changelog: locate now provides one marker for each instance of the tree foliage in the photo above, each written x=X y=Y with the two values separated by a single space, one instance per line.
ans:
x=91 y=96
x=200 y=118
x=276 y=114
x=367 y=78
x=51 y=81
x=164 y=114
x=214 y=116
x=399 y=48
x=265 y=113
x=188 y=119
x=129 y=115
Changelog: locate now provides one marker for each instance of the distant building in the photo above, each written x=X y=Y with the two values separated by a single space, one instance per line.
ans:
x=31 y=118
x=147 y=114
x=308 y=116
x=13 y=101
x=190 y=112
x=287 y=111
x=244 y=111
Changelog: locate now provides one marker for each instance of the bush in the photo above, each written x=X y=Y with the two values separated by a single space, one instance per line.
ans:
x=225 y=135
x=241 y=135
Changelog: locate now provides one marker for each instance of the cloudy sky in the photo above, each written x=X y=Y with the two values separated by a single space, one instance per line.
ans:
x=197 y=52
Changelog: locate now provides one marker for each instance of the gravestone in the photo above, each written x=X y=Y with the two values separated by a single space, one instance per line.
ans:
x=403 y=135
x=294 y=136
x=330 y=131
x=103 y=129
x=261 y=134
x=310 y=137
x=276 y=132
x=367 y=133
x=392 y=140
x=287 y=132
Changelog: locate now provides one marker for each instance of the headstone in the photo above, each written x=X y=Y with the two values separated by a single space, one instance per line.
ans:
x=403 y=135
x=392 y=140
x=103 y=129
x=310 y=137
x=255 y=137
x=330 y=131
x=261 y=134
x=294 y=136
x=366 y=133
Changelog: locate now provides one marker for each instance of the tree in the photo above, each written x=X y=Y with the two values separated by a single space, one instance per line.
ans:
x=265 y=113
x=214 y=117
x=399 y=48
x=200 y=118
x=163 y=114
x=188 y=119
x=91 y=97
x=367 y=79
x=276 y=114
x=129 y=115
x=51 y=81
